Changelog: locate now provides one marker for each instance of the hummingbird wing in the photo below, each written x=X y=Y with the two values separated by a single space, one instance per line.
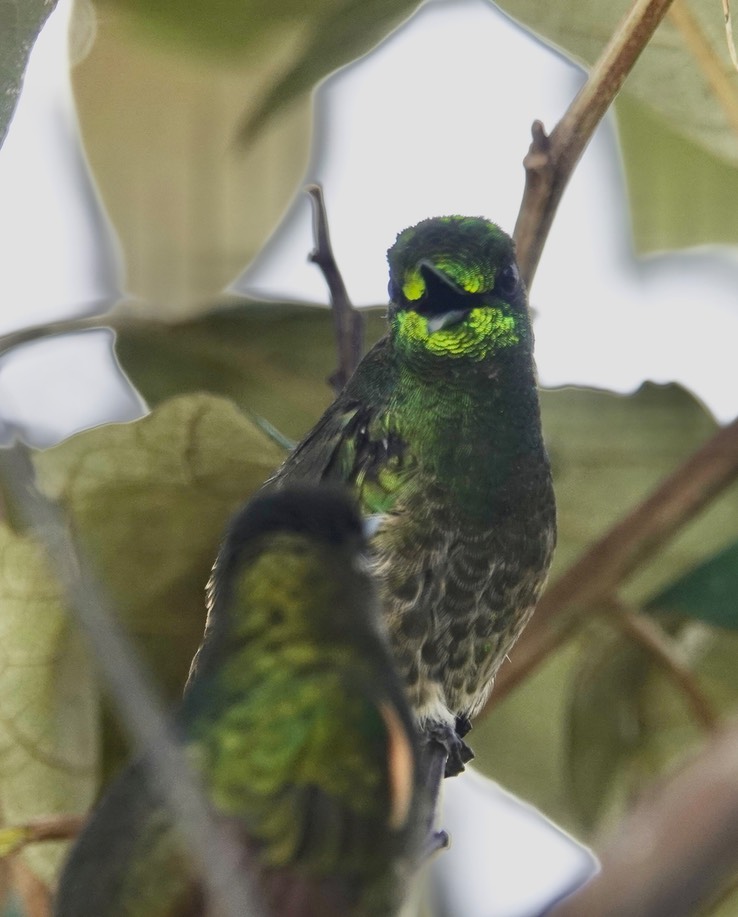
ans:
x=352 y=445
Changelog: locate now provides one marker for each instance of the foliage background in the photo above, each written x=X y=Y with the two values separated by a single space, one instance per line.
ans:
x=191 y=205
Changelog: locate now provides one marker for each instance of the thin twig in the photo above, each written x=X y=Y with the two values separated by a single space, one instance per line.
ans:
x=626 y=546
x=649 y=635
x=677 y=846
x=50 y=329
x=14 y=838
x=551 y=160
x=729 y=33
x=348 y=322
x=220 y=861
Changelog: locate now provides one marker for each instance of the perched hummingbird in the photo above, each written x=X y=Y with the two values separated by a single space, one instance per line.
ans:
x=299 y=728
x=438 y=431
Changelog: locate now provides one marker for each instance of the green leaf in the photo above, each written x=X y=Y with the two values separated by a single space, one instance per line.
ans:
x=148 y=502
x=48 y=701
x=270 y=359
x=708 y=592
x=162 y=96
x=606 y=725
x=20 y=23
x=608 y=452
x=346 y=33
x=629 y=721
x=159 y=127
x=678 y=113
x=679 y=194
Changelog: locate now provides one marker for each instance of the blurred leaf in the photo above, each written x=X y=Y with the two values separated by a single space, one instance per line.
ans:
x=679 y=195
x=214 y=27
x=606 y=723
x=680 y=102
x=708 y=592
x=629 y=721
x=345 y=34
x=48 y=701
x=608 y=451
x=160 y=123
x=148 y=502
x=20 y=23
x=159 y=128
x=271 y=359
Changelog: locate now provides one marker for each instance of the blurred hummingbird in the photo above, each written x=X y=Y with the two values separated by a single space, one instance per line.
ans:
x=298 y=726
x=438 y=431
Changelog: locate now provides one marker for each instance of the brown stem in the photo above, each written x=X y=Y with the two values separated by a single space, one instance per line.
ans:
x=647 y=633
x=552 y=159
x=676 y=847
x=630 y=542
x=348 y=322
x=51 y=828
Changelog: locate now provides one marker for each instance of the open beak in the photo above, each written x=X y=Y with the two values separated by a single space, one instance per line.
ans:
x=444 y=302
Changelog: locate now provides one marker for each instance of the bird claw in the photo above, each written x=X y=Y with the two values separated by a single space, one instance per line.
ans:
x=435 y=841
x=457 y=751
x=463 y=725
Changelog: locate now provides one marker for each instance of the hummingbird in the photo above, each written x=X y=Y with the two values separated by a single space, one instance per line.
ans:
x=438 y=432
x=297 y=725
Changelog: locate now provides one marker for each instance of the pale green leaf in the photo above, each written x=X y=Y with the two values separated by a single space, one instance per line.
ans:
x=272 y=359
x=149 y=501
x=679 y=194
x=677 y=113
x=160 y=121
x=48 y=701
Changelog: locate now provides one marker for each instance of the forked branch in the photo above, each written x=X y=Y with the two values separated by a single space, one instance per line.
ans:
x=551 y=159
x=348 y=322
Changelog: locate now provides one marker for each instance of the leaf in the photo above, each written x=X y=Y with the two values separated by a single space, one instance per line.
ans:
x=606 y=723
x=20 y=23
x=148 y=502
x=608 y=451
x=48 y=701
x=190 y=206
x=708 y=592
x=629 y=721
x=679 y=195
x=345 y=34
x=159 y=128
x=270 y=359
x=685 y=87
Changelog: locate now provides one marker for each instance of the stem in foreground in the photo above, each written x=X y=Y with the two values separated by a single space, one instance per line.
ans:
x=551 y=159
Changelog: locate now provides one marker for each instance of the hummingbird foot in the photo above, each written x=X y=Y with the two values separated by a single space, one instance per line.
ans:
x=456 y=750
x=463 y=725
x=435 y=841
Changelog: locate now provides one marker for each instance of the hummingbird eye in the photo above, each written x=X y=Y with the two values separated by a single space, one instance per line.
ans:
x=508 y=280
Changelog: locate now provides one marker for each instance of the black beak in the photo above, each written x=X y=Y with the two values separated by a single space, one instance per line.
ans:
x=444 y=302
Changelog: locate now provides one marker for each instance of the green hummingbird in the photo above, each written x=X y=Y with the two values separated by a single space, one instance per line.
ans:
x=298 y=726
x=438 y=431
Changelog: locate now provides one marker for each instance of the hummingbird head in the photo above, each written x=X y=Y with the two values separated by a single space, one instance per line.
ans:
x=292 y=567
x=455 y=291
